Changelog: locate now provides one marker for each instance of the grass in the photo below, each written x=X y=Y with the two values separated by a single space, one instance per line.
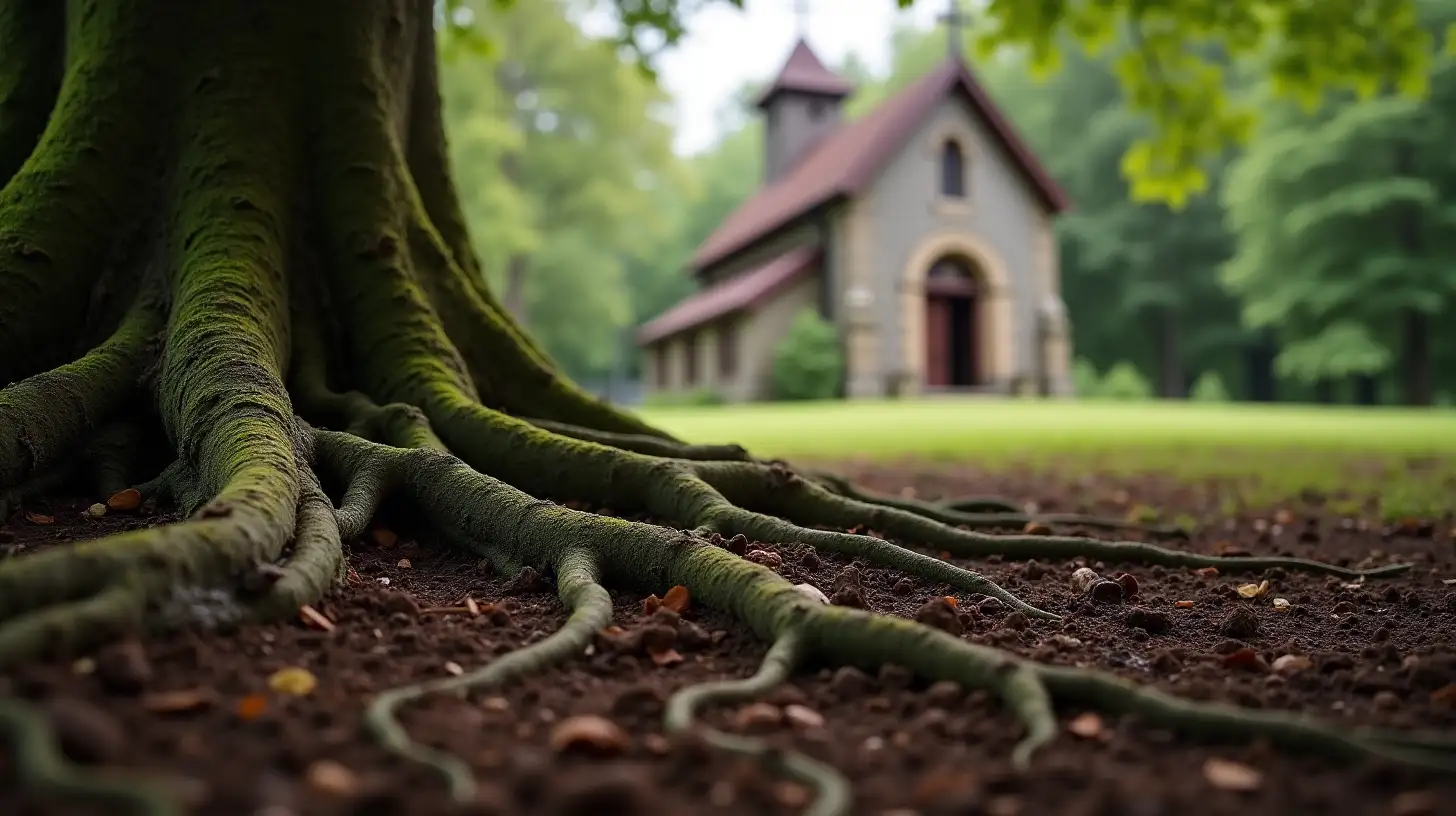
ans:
x=1406 y=456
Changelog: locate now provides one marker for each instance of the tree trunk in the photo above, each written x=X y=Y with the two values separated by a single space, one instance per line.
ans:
x=1415 y=358
x=1259 y=367
x=1324 y=391
x=515 y=288
x=1167 y=336
x=1367 y=390
x=238 y=224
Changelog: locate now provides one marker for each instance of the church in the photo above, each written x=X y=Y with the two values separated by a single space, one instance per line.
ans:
x=922 y=231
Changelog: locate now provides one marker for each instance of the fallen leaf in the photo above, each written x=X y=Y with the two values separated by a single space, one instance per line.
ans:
x=315 y=618
x=803 y=717
x=39 y=518
x=1208 y=572
x=1228 y=548
x=1445 y=695
x=128 y=499
x=758 y=717
x=471 y=606
x=383 y=537
x=1244 y=658
x=404 y=563
x=1281 y=604
x=1253 y=590
x=454 y=668
x=1036 y=528
x=950 y=601
x=252 y=707
x=329 y=777
x=651 y=604
x=1291 y=664
x=1449 y=581
x=1183 y=604
x=791 y=795
x=1086 y=726
x=178 y=702
x=597 y=735
x=293 y=680
x=665 y=657
x=677 y=599
x=943 y=555
x=1232 y=776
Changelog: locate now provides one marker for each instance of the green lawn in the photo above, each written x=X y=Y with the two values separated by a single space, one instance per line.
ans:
x=1409 y=456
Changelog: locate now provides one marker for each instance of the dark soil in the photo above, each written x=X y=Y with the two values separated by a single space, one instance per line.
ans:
x=1382 y=652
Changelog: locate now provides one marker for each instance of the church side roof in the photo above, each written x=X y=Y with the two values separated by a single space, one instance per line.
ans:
x=804 y=73
x=847 y=160
x=744 y=291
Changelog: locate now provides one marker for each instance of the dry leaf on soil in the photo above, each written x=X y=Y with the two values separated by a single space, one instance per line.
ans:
x=315 y=619
x=329 y=777
x=666 y=657
x=128 y=499
x=404 y=563
x=677 y=599
x=252 y=707
x=178 y=702
x=597 y=735
x=1086 y=726
x=471 y=606
x=383 y=537
x=1207 y=572
x=1282 y=604
x=296 y=681
x=1258 y=590
x=39 y=518
x=1232 y=776
x=1184 y=604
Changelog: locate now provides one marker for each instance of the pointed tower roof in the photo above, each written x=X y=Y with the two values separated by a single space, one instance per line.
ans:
x=804 y=73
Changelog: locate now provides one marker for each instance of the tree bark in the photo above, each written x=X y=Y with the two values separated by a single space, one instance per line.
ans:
x=1259 y=368
x=238 y=225
x=1415 y=358
x=1167 y=336
x=1367 y=390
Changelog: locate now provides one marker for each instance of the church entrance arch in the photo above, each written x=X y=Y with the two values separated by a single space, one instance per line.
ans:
x=955 y=299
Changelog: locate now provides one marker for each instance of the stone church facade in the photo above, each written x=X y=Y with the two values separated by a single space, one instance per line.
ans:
x=922 y=231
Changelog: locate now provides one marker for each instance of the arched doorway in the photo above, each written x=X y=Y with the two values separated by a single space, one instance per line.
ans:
x=952 y=324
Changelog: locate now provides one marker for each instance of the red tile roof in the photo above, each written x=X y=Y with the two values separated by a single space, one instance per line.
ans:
x=747 y=290
x=803 y=72
x=848 y=159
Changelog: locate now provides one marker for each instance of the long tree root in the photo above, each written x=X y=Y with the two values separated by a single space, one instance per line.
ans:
x=39 y=765
x=591 y=611
x=299 y=143
x=649 y=558
x=832 y=793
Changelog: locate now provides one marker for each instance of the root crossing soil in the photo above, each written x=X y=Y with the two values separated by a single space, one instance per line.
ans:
x=196 y=709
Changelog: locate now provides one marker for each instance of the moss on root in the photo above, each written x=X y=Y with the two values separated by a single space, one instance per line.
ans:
x=237 y=219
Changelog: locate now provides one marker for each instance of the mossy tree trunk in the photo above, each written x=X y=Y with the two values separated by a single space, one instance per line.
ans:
x=231 y=222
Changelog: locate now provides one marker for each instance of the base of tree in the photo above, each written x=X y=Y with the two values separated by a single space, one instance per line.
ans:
x=286 y=256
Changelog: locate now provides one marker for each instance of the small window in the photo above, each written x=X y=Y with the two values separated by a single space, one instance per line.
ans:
x=952 y=170
x=690 y=359
x=727 y=350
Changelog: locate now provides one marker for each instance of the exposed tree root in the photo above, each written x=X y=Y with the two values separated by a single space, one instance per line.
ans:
x=591 y=611
x=455 y=499
x=291 y=186
x=832 y=793
x=40 y=766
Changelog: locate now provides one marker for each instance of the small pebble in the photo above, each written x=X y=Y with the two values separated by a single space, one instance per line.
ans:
x=1083 y=579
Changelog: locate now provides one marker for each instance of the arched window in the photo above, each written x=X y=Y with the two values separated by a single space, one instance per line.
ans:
x=952 y=170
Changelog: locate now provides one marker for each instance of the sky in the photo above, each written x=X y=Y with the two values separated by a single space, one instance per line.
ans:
x=726 y=47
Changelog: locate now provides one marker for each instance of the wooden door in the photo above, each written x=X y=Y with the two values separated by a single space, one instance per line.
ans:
x=937 y=342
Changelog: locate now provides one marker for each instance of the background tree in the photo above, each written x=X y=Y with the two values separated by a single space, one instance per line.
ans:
x=238 y=226
x=565 y=160
x=1345 y=225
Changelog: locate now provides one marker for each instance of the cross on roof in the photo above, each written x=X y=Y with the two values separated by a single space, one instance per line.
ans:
x=954 y=18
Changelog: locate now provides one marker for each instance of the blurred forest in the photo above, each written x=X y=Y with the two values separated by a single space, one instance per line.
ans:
x=1321 y=266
